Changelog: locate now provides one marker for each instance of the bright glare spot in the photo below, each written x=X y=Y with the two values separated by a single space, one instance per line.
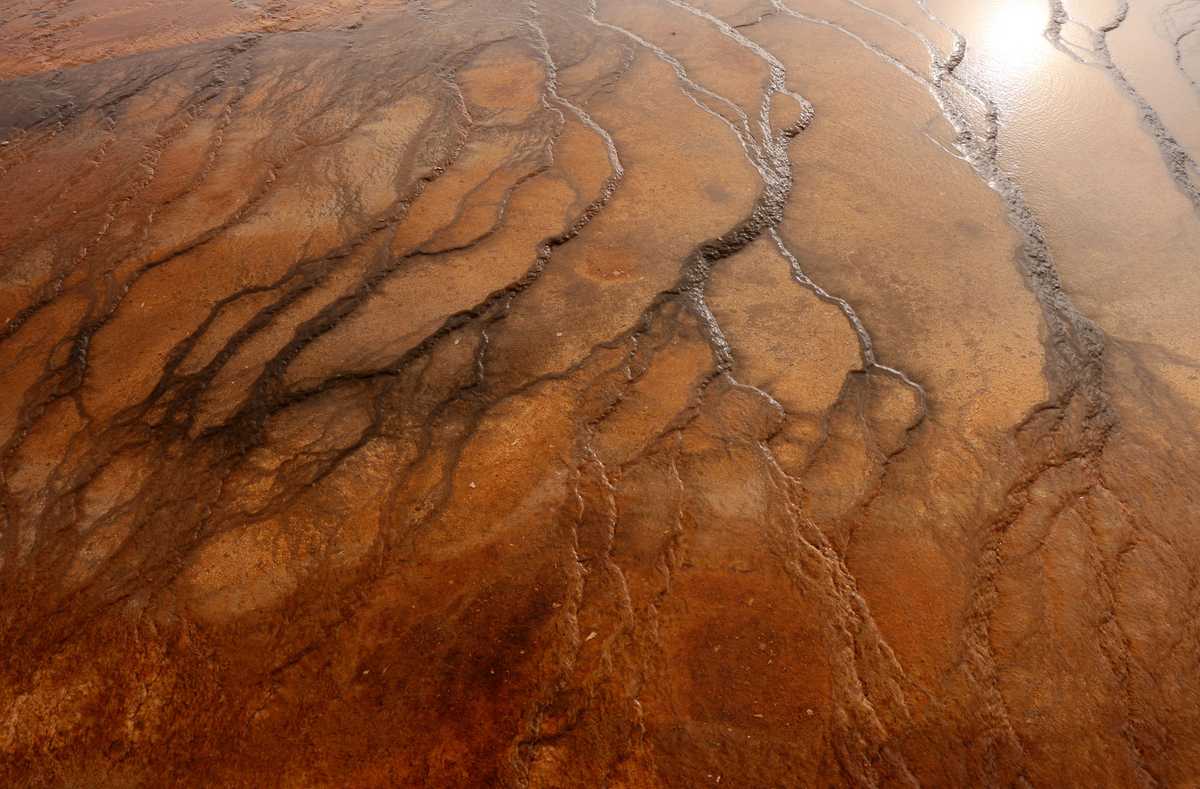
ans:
x=1014 y=33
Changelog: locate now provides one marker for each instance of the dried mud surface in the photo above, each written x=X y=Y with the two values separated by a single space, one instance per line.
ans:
x=623 y=393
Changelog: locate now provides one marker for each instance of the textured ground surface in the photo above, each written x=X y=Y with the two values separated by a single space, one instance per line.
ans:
x=626 y=393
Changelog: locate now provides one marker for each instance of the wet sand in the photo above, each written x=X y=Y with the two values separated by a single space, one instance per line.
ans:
x=623 y=393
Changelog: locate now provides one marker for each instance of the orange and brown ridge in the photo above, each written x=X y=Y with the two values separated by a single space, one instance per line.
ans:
x=600 y=393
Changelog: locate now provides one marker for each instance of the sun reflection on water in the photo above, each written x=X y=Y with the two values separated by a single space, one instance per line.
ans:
x=1014 y=37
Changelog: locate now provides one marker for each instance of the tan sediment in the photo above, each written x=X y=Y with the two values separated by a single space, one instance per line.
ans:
x=630 y=393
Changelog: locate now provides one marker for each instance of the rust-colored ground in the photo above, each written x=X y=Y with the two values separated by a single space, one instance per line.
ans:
x=624 y=393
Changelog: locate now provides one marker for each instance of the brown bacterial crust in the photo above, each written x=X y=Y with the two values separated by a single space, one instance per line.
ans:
x=625 y=393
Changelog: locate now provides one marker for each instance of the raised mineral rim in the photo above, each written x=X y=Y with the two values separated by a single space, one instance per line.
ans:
x=626 y=393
